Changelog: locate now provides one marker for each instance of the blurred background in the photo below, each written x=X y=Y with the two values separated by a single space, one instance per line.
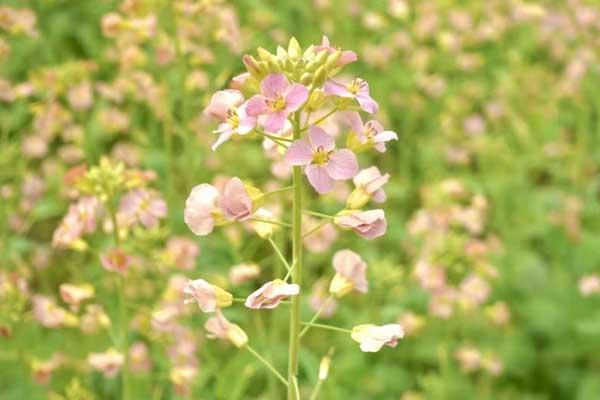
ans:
x=492 y=257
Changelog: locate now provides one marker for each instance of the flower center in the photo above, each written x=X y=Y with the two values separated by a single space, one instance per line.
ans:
x=369 y=131
x=278 y=104
x=355 y=86
x=321 y=156
x=232 y=118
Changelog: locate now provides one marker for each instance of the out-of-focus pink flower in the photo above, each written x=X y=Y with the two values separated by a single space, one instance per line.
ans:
x=321 y=300
x=81 y=96
x=371 y=133
x=42 y=369
x=430 y=277
x=242 y=273
x=321 y=240
x=235 y=202
x=469 y=358
x=368 y=224
x=347 y=56
x=201 y=209
x=139 y=357
x=218 y=327
x=372 y=337
x=182 y=252
x=323 y=162
x=108 y=363
x=74 y=295
x=277 y=100
x=115 y=260
x=411 y=322
x=145 y=205
x=499 y=313
x=358 y=89
x=47 y=313
x=209 y=297
x=93 y=319
x=474 y=290
x=351 y=273
x=442 y=303
x=369 y=183
x=589 y=285
x=182 y=377
x=270 y=294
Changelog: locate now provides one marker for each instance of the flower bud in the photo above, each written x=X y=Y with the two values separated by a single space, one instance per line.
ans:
x=340 y=286
x=237 y=336
x=320 y=76
x=316 y=100
x=264 y=55
x=294 y=49
x=357 y=199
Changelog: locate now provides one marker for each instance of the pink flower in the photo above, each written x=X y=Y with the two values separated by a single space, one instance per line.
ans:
x=109 y=362
x=145 y=205
x=209 y=297
x=358 y=89
x=589 y=285
x=369 y=183
x=201 y=209
x=324 y=163
x=371 y=133
x=139 y=358
x=237 y=122
x=218 y=327
x=115 y=260
x=241 y=273
x=222 y=102
x=182 y=252
x=350 y=274
x=347 y=57
x=47 y=313
x=277 y=100
x=368 y=224
x=74 y=295
x=372 y=337
x=270 y=294
x=235 y=202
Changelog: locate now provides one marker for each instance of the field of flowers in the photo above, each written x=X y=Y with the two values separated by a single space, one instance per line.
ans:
x=320 y=199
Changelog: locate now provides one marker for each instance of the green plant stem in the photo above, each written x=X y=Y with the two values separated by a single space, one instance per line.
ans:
x=268 y=221
x=314 y=318
x=315 y=394
x=318 y=121
x=289 y=273
x=316 y=228
x=267 y=364
x=294 y=340
x=318 y=214
x=276 y=191
x=279 y=253
x=328 y=327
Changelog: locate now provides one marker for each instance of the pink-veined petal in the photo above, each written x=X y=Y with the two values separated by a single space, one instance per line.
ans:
x=274 y=85
x=274 y=122
x=318 y=178
x=367 y=103
x=299 y=153
x=256 y=106
x=342 y=164
x=352 y=118
x=296 y=96
x=334 y=88
x=318 y=138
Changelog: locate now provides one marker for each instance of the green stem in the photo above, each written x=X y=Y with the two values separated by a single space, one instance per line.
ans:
x=279 y=254
x=268 y=221
x=328 y=327
x=316 y=390
x=294 y=341
x=283 y=189
x=314 y=318
x=323 y=118
x=267 y=364
x=318 y=214
x=289 y=273
x=316 y=228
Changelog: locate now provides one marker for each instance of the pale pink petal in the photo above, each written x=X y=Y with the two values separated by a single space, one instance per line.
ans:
x=367 y=103
x=199 y=207
x=256 y=106
x=247 y=124
x=235 y=201
x=348 y=56
x=274 y=85
x=352 y=118
x=319 y=139
x=225 y=131
x=334 y=88
x=385 y=136
x=379 y=196
x=222 y=101
x=299 y=153
x=296 y=96
x=274 y=122
x=319 y=178
x=342 y=164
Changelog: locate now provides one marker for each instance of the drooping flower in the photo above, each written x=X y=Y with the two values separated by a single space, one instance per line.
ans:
x=368 y=224
x=209 y=297
x=369 y=183
x=372 y=337
x=350 y=273
x=201 y=209
x=278 y=99
x=235 y=201
x=222 y=102
x=145 y=205
x=218 y=327
x=369 y=134
x=323 y=162
x=358 y=89
x=109 y=362
x=347 y=57
x=115 y=260
x=270 y=294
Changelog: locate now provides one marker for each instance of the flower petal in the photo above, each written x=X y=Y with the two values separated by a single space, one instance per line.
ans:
x=342 y=164
x=318 y=138
x=274 y=85
x=275 y=122
x=352 y=118
x=256 y=106
x=296 y=96
x=319 y=178
x=299 y=153
x=334 y=88
x=367 y=103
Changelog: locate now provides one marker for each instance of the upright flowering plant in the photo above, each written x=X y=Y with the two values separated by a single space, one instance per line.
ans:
x=285 y=99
